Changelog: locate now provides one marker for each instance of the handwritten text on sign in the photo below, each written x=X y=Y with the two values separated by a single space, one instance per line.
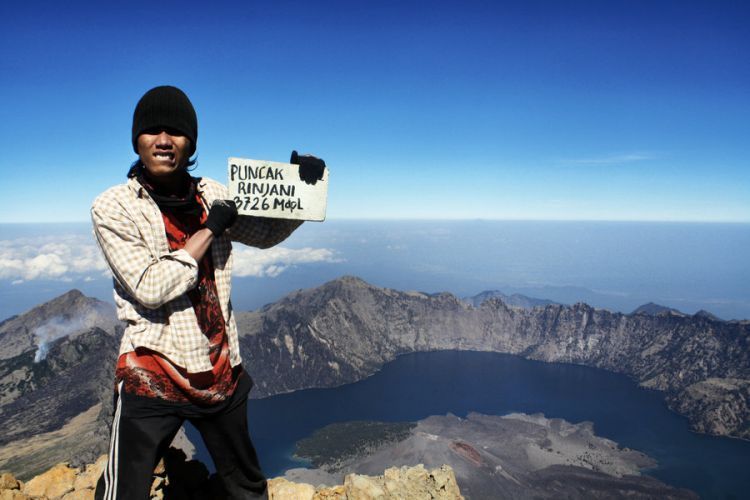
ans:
x=273 y=189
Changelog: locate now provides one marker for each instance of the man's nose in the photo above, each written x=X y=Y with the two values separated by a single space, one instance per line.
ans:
x=163 y=140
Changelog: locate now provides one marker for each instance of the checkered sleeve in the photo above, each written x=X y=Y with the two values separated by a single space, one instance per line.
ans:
x=152 y=280
x=262 y=232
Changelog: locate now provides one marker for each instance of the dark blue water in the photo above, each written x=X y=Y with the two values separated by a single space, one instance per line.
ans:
x=415 y=386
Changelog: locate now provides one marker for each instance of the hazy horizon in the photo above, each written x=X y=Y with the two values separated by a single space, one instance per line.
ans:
x=613 y=265
x=439 y=219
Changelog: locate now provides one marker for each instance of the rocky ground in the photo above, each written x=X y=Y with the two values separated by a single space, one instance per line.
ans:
x=513 y=456
x=176 y=478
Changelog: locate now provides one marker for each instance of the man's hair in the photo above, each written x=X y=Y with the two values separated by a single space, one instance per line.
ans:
x=137 y=167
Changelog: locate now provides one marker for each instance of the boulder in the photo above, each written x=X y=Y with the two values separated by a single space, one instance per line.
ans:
x=334 y=493
x=89 y=477
x=13 y=495
x=52 y=484
x=281 y=489
x=85 y=494
x=9 y=482
x=405 y=482
x=363 y=487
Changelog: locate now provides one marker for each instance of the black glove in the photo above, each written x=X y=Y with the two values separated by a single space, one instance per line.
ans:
x=310 y=167
x=222 y=215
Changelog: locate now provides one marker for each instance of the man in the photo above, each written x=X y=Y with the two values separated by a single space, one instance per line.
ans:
x=167 y=239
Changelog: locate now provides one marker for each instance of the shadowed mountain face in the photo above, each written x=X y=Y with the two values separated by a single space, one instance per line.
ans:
x=346 y=329
x=58 y=406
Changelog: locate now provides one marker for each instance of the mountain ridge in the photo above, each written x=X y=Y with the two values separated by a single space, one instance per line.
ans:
x=310 y=330
x=346 y=329
x=515 y=299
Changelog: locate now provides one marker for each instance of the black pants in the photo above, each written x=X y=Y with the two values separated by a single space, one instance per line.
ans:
x=143 y=428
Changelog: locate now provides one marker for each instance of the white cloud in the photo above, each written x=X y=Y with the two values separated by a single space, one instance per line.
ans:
x=70 y=257
x=66 y=257
x=58 y=257
x=274 y=261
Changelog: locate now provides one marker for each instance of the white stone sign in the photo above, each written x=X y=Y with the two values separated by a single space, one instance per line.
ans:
x=272 y=189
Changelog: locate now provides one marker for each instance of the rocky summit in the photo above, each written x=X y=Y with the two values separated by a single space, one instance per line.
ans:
x=176 y=478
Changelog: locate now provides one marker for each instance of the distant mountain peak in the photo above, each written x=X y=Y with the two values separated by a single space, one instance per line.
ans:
x=61 y=303
x=69 y=313
x=347 y=288
x=348 y=279
x=346 y=282
x=516 y=299
x=654 y=309
x=707 y=315
x=72 y=293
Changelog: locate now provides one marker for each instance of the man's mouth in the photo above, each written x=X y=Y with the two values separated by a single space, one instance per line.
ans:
x=164 y=155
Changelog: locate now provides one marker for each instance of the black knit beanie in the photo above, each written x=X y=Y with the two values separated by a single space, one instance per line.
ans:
x=165 y=106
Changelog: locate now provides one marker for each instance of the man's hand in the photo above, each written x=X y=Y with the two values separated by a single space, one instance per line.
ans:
x=310 y=168
x=222 y=215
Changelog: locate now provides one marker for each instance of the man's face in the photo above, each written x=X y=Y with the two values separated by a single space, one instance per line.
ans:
x=164 y=152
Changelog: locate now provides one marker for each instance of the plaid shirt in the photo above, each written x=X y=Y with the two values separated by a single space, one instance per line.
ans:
x=150 y=282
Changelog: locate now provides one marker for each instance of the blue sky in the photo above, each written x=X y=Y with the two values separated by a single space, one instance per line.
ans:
x=617 y=110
